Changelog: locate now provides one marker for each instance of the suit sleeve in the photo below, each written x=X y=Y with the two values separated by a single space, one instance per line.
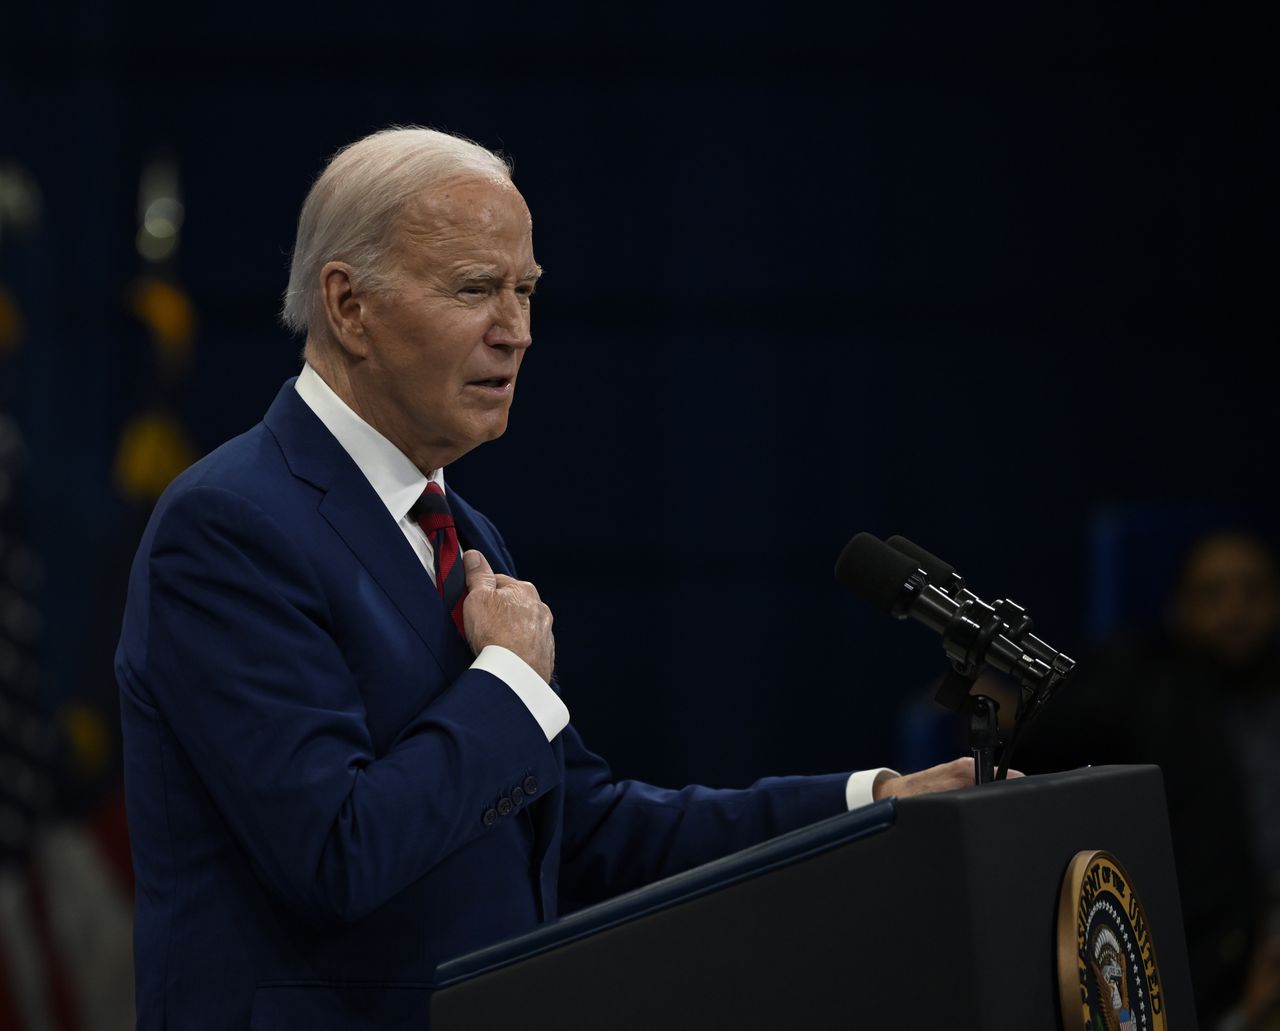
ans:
x=622 y=834
x=242 y=663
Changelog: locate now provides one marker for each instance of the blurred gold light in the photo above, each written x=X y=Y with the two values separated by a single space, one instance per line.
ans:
x=87 y=734
x=166 y=311
x=153 y=449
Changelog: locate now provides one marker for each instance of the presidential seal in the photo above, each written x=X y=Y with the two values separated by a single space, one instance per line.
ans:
x=1108 y=977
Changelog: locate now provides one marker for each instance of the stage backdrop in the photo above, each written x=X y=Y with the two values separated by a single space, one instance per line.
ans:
x=808 y=272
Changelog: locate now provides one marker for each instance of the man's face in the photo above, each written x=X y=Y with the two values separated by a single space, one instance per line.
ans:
x=1229 y=603
x=445 y=340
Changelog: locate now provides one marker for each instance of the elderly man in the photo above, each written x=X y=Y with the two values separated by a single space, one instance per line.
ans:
x=347 y=757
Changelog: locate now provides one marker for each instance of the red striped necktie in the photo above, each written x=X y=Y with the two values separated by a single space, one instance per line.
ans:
x=433 y=515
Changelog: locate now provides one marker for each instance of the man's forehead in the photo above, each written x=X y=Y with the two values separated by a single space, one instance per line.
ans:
x=466 y=204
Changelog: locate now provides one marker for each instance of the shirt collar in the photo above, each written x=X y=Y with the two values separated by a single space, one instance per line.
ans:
x=398 y=482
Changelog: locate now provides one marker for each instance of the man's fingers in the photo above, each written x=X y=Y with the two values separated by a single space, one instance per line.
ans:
x=503 y=582
x=959 y=773
x=480 y=576
x=963 y=770
x=945 y=777
x=479 y=573
x=505 y=611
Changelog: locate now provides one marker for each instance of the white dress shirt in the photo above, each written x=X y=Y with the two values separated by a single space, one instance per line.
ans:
x=399 y=484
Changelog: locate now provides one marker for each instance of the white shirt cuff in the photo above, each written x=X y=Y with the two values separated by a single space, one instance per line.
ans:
x=542 y=702
x=861 y=786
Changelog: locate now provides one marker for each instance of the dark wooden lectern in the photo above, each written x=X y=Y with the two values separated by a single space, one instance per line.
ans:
x=926 y=913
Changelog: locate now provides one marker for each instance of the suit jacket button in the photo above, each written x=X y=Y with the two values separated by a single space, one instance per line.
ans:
x=530 y=785
x=505 y=805
x=517 y=794
x=490 y=817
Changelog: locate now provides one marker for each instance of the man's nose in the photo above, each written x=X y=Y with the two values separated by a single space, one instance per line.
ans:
x=511 y=322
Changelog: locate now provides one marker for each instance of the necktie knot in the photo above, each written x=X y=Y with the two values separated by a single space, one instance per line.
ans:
x=431 y=510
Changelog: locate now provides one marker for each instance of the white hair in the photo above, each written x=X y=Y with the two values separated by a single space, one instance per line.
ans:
x=351 y=212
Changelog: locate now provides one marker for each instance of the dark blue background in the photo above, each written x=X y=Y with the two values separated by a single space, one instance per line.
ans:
x=970 y=276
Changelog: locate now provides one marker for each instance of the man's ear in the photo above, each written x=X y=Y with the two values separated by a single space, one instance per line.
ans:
x=344 y=308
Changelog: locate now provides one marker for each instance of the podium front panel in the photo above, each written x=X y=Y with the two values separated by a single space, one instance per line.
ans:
x=945 y=919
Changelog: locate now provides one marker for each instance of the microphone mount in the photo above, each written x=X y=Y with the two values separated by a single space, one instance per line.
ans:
x=1039 y=680
x=974 y=634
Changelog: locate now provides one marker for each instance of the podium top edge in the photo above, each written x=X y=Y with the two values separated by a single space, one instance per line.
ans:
x=990 y=794
x=770 y=855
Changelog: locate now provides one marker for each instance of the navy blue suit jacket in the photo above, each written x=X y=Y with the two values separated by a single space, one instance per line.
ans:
x=309 y=759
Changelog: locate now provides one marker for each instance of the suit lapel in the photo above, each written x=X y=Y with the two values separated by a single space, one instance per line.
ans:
x=472 y=533
x=352 y=507
x=361 y=520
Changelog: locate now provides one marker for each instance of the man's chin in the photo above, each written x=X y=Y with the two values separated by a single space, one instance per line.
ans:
x=485 y=430
x=497 y=425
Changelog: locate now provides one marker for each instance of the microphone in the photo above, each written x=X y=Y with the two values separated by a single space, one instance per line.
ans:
x=906 y=581
x=1017 y=624
x=973 y=634
x=940 y=573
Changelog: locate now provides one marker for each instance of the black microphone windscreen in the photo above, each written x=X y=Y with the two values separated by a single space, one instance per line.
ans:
x=871 y=568
x=939 y=572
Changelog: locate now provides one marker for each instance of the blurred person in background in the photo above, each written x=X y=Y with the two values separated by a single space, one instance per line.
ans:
x=1202 y=701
